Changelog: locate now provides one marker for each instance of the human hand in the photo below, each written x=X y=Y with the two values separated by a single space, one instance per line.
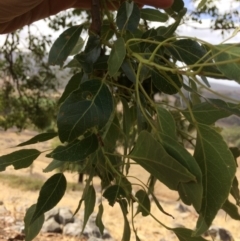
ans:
x=15 y=14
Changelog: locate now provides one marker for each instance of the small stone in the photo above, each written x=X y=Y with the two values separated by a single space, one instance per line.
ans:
x=51 y=226
x=73 y=229
x=182 y=208
x=65 y=216
x=53 y=213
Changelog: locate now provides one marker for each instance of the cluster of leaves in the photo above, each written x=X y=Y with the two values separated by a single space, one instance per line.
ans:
x=126 y=63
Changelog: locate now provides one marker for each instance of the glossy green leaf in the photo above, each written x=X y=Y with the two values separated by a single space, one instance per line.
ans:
x=76 y=150
x=152 y=156
x=32 y=230
x=167 y=83
x=89 y=106
x=72 y=85
x=126 y=230
x=113 y=194
x=128 y=16
x=89 y=204
x=218 y=168
x=212 y=110
x=19 y=159
x=117 y=56
x=99 y=222
x=101 y=63
x=191 y=192
x=144 y=205
x=231 y=210
x=227 y=59
x=185 y=234
x=64 y=45
x=153 y=15
x=39 y=138
x=50 y=194
x=53 y=165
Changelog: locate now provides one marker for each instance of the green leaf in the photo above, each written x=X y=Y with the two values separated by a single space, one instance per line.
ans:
x=50 y=194
x=39 y=138
x=185 y=234
x=113 y=194
x=235 y=191
x=201 y=4
x=32 y=230
x=127 y=122
x=75 y=151
x=78 y=46
x=64 y=45
x=101 y=63
x=72 y=85
x=151 y=155
x=144 y=205
x=212 y=110
x=99 y=222
x=126 y=230
x=177 y=6
x=117 y=56
x=19 y=159
x=191 y=192
x=227 y=59
x=218 y=168
x=89 y=203
x=153 y=15
x=191 y=52
x=89 y=106
x=231 y=210
x=166 y=82
x=53 y=165
x=129 y=70
x=128 y=16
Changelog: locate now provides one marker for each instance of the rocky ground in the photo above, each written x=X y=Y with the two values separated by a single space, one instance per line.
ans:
x=14 y=202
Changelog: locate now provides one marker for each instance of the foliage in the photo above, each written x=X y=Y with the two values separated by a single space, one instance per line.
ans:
x=110 y=104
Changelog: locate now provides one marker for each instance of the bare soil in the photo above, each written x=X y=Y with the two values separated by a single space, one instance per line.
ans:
x=16 y=201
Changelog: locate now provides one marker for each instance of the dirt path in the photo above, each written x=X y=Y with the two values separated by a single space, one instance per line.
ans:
x=17 y=201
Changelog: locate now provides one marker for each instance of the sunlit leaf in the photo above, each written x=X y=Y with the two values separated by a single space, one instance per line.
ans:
x=50 y=194
x=76 y=150
x=32 y=230
x=153 y=15
x=117 y=56
x=227 y=59
x=191 y=192
x=89 y=106
x=151 y=155
x=212 y=110
x=64 y=45
x=53 y=165
x=144 y=204
x=89 y=203
x=77 y=48
x=218 y=168
x=19 y=159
